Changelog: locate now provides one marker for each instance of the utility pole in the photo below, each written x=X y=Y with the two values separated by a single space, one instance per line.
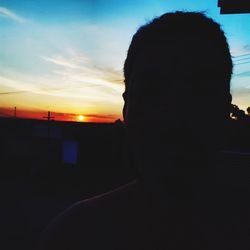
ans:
x=49 y=155
x=49 y=117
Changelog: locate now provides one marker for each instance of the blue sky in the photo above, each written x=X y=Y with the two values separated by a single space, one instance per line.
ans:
x=68 y=55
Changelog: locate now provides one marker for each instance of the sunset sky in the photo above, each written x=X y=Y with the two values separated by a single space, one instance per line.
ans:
x=67 y=56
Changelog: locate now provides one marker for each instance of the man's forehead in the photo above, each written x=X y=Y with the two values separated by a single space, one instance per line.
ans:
x=168 y=59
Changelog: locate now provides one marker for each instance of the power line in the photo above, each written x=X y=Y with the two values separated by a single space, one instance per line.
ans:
x=243 y=73
x=247 y=54
x=241 y=59
x=242 y=63
x=6 y=115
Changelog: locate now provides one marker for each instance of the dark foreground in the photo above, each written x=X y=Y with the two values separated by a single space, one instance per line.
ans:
x=39 y=180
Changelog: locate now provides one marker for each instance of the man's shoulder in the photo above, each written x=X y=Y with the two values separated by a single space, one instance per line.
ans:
x=116 y=199
x=92 y=219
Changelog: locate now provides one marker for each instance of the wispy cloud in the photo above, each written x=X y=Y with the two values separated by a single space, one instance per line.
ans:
x=12 y=92
x=74 y=84
x=243 y=74
x=7 y=13
x=16 y=85
x=80 y=71
x=238 y=52
x=61 y=62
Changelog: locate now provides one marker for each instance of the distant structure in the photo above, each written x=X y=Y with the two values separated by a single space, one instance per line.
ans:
x=15 y=112
x=234 y=6
x=49 y=117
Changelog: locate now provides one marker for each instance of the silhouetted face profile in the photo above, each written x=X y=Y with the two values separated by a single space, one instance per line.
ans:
x=177 y=87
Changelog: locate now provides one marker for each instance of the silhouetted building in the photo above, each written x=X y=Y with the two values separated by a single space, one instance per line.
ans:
x=234 y=6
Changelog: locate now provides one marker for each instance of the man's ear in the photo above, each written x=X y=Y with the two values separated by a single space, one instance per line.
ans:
x=229 y=103
x=124 y=110
x=230 y=99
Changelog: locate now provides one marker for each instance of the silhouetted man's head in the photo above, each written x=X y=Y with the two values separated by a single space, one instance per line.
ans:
x=177 y=82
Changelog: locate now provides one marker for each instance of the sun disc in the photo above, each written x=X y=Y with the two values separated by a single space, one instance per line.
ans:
x=81 y=118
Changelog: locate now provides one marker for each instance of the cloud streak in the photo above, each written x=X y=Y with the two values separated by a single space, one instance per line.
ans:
x=17 y=85
x=241 y=51
x=243 y=74
x=74 y=84
x=12 y=92
x=7 y=13
x=79 y=71
x=61 y=62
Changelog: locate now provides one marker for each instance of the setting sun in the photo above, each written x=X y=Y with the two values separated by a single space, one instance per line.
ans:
x=81 y=118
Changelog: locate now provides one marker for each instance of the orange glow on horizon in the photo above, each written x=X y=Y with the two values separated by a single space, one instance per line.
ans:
x=41 y=115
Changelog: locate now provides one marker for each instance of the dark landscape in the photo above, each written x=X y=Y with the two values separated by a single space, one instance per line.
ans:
x=46 y=166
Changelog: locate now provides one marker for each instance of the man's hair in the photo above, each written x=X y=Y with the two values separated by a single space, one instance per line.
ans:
x=179 y=25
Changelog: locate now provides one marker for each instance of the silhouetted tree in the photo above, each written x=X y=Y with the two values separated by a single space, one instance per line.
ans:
x=248 y=111
x=237 y=113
